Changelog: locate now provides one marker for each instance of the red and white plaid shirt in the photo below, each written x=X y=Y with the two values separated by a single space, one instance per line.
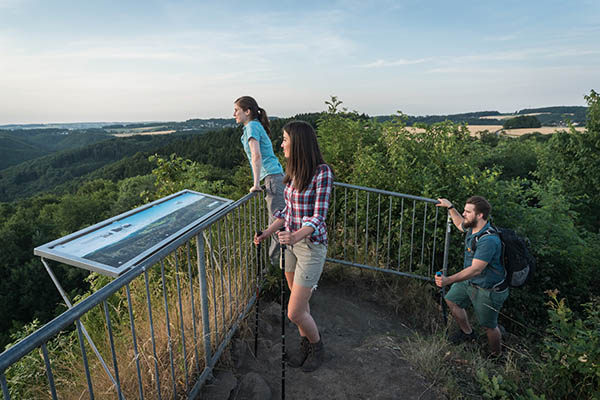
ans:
x=309 y=207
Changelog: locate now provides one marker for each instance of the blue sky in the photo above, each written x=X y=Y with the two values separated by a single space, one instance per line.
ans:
x=68 y=61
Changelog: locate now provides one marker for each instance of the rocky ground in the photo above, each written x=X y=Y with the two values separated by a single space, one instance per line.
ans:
x=362 y=359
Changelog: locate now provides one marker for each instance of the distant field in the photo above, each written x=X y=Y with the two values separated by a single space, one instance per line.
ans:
x=545 y=130
x=142 y=132
x=511 y=116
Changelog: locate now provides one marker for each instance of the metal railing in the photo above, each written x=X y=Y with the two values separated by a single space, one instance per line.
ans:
x=386 y=231
x=164 y=324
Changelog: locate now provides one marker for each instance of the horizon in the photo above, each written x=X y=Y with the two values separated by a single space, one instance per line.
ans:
x=174 y=61
x=270 y=116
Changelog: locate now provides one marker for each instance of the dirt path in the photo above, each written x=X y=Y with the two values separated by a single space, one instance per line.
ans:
x=362 y=358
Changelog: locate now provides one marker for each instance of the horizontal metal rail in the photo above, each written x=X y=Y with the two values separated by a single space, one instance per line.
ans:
x=385 y=192
x=363 y=266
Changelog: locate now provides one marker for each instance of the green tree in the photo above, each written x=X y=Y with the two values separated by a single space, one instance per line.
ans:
x=572 y=159
x=593 y=114
x=522 y=121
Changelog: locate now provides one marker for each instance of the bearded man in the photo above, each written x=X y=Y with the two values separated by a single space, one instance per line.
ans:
x=481 y=282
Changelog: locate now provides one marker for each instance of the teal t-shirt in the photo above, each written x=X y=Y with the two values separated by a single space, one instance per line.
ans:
x=488 y=249
x=270 y=163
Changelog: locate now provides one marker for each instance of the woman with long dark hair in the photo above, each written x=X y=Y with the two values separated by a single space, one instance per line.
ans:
x=309 y=181
x=264 y=163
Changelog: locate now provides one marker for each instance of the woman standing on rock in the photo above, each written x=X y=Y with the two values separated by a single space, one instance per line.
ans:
x=308 y=187
x=264 y=164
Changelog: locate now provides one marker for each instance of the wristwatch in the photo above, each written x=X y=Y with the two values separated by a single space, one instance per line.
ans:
x=451 y=207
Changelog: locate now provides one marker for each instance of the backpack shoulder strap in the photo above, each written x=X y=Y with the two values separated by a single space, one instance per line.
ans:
x=489 y=231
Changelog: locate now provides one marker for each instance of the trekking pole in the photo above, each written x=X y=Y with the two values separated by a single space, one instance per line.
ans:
x=283 y=312
x=445 y=267
x=258 y=271
x=442 y=302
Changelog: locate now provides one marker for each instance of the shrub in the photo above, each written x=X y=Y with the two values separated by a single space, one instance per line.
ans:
x=571 y=351
x=522 y=121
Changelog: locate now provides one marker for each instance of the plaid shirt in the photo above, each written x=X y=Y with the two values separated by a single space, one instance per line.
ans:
x=308 y=208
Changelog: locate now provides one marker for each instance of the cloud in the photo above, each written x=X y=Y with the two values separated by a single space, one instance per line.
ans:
x=554 y=57
x=383 y=63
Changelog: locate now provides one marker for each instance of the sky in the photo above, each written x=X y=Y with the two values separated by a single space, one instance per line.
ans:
x=88 y=61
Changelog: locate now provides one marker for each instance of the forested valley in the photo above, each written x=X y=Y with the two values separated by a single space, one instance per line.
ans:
x=544 y=186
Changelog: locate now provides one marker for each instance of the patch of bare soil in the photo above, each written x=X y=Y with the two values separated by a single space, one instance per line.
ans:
x=362 y=360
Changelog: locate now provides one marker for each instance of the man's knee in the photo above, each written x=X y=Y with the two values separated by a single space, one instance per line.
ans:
x=452 y=305
x=493 y=331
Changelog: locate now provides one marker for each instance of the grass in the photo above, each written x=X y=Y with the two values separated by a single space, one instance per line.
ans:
x=230 y=285
x=454 y=372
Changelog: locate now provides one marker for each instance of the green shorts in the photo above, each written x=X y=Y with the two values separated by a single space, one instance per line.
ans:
x=486 y=303
x=305 y=259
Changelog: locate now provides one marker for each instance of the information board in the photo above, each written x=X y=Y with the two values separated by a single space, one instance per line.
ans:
x=113 y=246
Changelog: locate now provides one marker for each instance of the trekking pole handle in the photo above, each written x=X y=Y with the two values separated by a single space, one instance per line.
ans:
x=281 y=245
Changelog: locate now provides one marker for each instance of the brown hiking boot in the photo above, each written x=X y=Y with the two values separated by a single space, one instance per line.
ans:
x=297 y=358
x=315 y=357
x=459 y=337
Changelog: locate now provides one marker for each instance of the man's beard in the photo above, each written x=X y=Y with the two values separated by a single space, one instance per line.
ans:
x=470 y=224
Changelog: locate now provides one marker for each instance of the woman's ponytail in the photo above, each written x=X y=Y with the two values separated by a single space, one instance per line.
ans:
x=248 y=103
x=264 y=120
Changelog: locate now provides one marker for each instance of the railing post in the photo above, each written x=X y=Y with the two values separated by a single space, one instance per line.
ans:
x=151 y=321
x=49 y=372
x=445 y=265
x=4 y=386
x=135 y=346
x=203 y=299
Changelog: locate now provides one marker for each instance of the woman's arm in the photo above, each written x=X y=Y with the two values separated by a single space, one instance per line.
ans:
x=323 y=186
x=292 y=238
x=256 y=163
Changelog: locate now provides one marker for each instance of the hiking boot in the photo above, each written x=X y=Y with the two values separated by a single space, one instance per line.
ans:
x=497 y=357
x=459 y=337
x=297 y=359
x=315 y=357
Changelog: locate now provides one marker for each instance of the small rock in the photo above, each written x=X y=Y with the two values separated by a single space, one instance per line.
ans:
x=274 y=354
x=238 y=352
x=221 y=387
x=272 y=313
x=253 y=387
x=265 y=329
x=264 y=348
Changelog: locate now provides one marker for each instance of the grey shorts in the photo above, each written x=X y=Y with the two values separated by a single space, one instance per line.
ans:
x=306 y=260
x=274 y=197
x=274 y=188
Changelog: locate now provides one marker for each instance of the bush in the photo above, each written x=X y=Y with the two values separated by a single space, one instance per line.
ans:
x=571 y=351
x=523 y=121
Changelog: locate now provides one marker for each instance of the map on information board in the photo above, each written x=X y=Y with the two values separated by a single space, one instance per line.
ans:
x=111 y=247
